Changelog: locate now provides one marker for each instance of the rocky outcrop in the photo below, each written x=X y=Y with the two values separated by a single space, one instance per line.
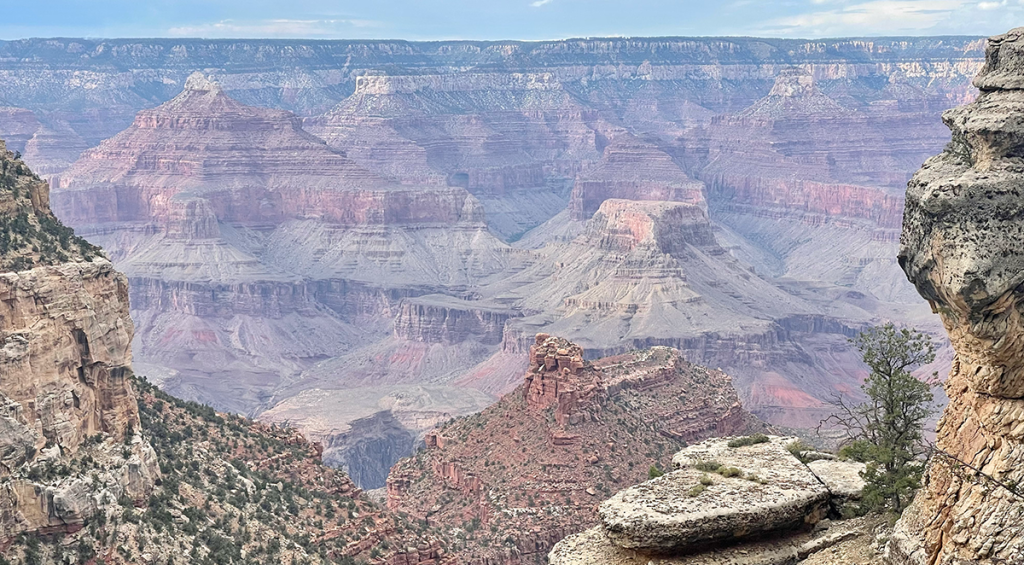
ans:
x=443 y=319
x=65 y=367
x=772 y=490
x=529 y=468
x=66 y=355
x=725 y=499
x=961 y=249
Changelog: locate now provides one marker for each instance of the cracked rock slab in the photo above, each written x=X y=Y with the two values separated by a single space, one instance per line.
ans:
x=771 y=490
x=842 y=478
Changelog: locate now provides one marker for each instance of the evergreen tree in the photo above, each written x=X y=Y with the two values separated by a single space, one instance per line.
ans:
x=886 y=432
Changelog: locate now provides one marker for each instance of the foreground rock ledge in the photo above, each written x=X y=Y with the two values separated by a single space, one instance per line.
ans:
x=756 y=509
x=772 y=491
x=961 y=247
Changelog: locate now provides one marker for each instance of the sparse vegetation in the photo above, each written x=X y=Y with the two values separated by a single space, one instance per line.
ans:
x=30 y=235
x=798 y=449
x=748 y=440
x=708 y=466
x=886 y=432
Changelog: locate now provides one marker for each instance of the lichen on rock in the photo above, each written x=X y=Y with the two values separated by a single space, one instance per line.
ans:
x=961 y=247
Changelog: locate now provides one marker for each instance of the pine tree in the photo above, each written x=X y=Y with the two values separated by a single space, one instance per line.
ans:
x=886 y=432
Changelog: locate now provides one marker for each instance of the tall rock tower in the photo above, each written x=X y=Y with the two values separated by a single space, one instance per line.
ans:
x=963 y=247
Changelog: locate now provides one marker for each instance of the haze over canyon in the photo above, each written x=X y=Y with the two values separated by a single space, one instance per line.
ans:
x=363 y=238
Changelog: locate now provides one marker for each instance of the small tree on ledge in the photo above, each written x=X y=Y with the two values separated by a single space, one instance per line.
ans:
x=886 y=432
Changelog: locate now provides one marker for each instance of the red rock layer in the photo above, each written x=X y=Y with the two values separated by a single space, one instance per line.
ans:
x=799 y=150
x=528 y=470
x=633 y=171
x=253 y=166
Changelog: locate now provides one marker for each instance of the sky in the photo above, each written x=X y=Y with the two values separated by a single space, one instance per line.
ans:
x=503 y=19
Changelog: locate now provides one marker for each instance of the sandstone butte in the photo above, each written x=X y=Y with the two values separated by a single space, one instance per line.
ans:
x=531 y=468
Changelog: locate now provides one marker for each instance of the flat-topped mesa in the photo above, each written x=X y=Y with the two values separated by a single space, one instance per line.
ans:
x=961 y=247
x=793 y=82
x=633 y=171
x=794 y=94
x=559 y=377
x=668 y=227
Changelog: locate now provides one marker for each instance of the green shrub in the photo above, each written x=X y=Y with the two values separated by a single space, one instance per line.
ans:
x=729 y=472
x=749 y=440
x=695 y=490
x=708 y=466
x=654 y=472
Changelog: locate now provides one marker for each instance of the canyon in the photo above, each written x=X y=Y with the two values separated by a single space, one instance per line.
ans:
x=361 y=238
x=114 y=470
x=528 y=470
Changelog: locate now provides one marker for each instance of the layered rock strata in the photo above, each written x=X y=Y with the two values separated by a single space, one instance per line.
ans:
x=725 y=502
x=536 y=462
x=635 y=171
x=65 y=365
x=514 y=140
x=255 y=251
x=961 y=249
x=646 y=273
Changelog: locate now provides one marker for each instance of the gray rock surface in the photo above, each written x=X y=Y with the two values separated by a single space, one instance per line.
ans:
x=772 y=490
x=842 y=478
x=593 y=547
x=961 y=247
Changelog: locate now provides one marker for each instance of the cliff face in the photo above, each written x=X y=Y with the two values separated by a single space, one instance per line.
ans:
x=509 y=138
x=634 y=171
x=264 y=262
x=253 y=249
x=528 y=470
x=64 y=366
x=961 y=248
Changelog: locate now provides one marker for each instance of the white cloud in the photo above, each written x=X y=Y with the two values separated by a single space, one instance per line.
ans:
x=872 y=17
x=540 y=3
x=991 y=5
x=272 y=28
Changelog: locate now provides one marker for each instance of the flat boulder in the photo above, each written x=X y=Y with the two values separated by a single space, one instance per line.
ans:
x=842 y=478
x=717 y=494
x=593 y=547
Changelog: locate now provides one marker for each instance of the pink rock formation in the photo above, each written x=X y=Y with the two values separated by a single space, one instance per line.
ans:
x=508 y=138
x=633 y=171
x=566 y=434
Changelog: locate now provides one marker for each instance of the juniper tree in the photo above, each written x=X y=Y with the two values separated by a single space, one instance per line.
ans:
x=886 y=431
